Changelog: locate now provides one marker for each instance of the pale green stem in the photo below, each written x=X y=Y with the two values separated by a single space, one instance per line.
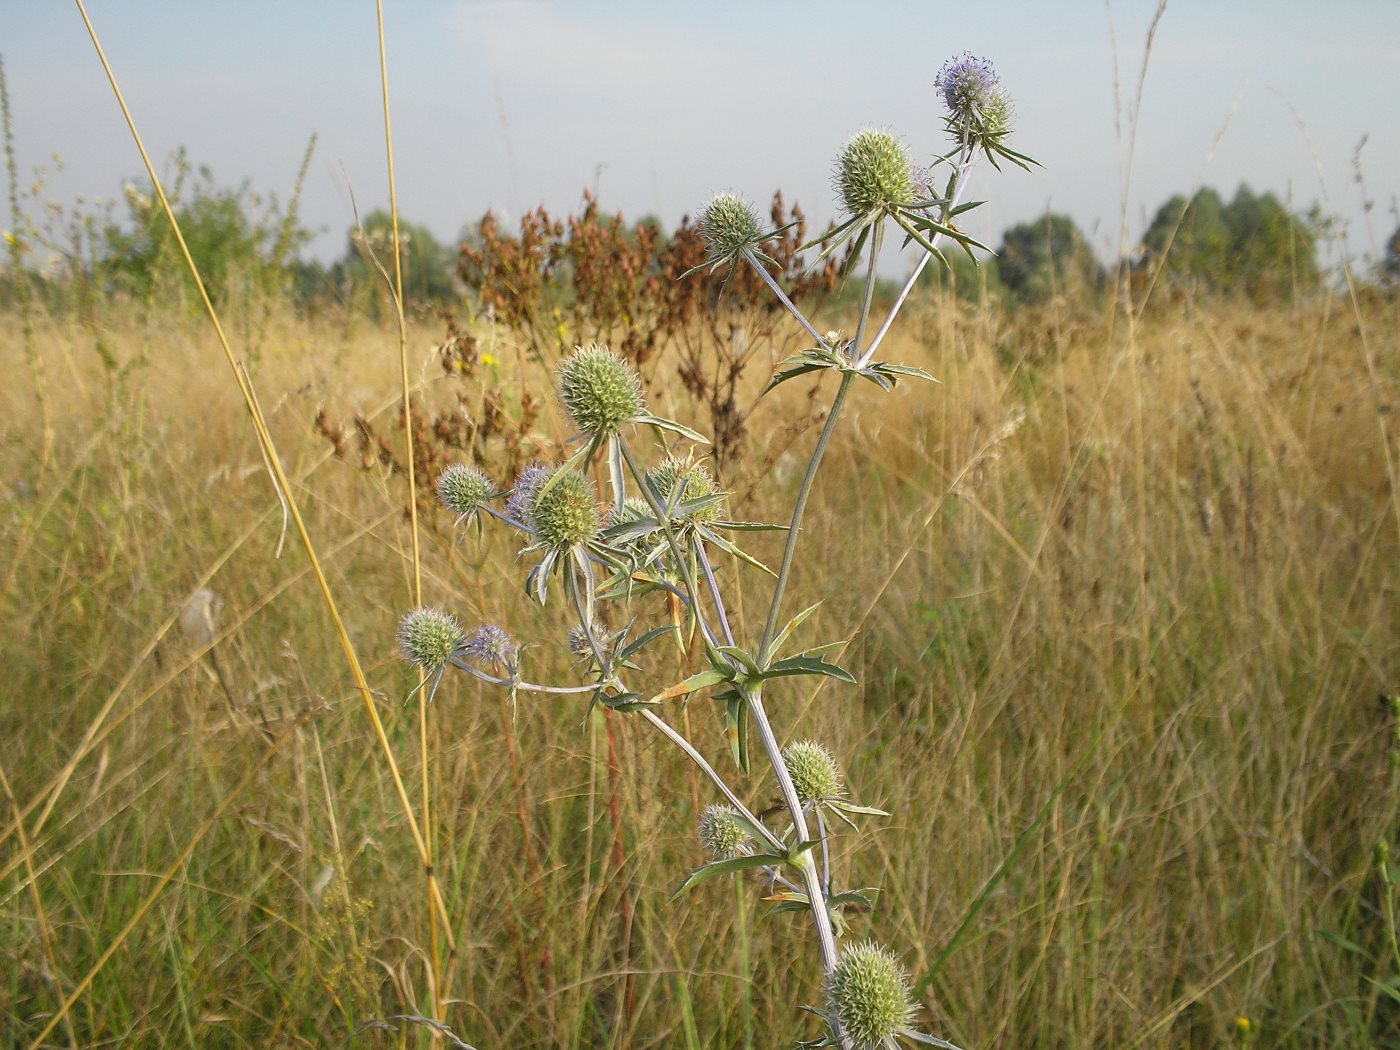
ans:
x=782 y=297
x=785 y=569
x=964 y=164
x=876 y=236
x=771 y=841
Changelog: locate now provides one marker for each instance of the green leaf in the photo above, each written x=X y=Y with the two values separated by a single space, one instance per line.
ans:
x=851 y=807
x=673 y=426
x=733 y=549
x=928 y=1040
x=904 y=370
x=726 y=867
x=705 y=679
x=644 y=640
x=792 y=625
x=800 y=665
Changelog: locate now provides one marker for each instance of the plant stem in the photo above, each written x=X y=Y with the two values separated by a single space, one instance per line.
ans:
x=771 y=841
x=964 y=164
x=782 y=297
x=876 y=237
x=797 y=511
x=714 y=591
x=811 y=880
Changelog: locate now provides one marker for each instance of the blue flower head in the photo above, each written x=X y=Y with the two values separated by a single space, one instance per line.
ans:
x=492 y=646
x=969 y=85
x=520 y=507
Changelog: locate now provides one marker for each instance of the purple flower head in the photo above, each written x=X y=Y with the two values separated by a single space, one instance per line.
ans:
x=521 y=505
x=923 y=181
x=492 y=646
x=968 y=84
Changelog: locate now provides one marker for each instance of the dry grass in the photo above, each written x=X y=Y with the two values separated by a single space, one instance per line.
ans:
x=1129 y=670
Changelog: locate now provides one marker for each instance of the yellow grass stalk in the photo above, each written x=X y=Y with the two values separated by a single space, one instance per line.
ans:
x=274 y=463
x=434 y=952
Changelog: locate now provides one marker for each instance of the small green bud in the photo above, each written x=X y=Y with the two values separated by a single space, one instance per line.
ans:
x=722 y=833
x=869 y=994
x=564 y=512
x=873 y=174
x=815 y=774
x=729 y=226
x=427 y=637
x=699 y=483
x=462 y=489
x=599 y=390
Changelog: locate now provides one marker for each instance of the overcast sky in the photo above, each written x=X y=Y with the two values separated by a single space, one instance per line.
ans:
x=507 y=104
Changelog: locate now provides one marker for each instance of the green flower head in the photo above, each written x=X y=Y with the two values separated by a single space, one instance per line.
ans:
x=722 y=833
x=815 y=774
x=600 y=392
x=729 y=226
x=873 y=174
x=463 y=490
x=869 y=994
x=670 y=473
x=565 y=512
x=427 y=637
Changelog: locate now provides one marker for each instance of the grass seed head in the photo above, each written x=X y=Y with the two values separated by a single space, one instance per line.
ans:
x=869 y=993
x=873 y=174
x=600 y=391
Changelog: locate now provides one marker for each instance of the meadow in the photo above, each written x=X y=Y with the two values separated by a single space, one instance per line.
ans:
x=1120 y=594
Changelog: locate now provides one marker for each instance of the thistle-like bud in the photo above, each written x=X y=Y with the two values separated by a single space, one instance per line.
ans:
x=564 y=512
x=492 y=646
x=977 y=103
x=463 y=490
x=729 y=226
x=699 y=483
x=722 y=833
x=872 y=175
x=869 y=994
x=599 y=390
x=633 y=508
x=582 y=647
x=427 y=637
x=815 y=775
x=520 y=506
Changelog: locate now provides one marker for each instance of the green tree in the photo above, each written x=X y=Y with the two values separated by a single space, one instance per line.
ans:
x=428 y=264
x=1252 y=246
x=1047 y=257
x=1390 y=263
x=241 y=241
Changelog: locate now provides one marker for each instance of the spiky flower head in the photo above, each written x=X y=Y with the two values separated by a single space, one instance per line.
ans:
x=463 y=489
x=520 y=506
x=729 y=226
x=722 y=833
x=599 y=390
x=492 y=646
x=582 y=647
x=815 y=775
x=564 y=511
x=977 y=103
x=633 y=508
x=872 y=175
x=427 y=637
x=869 y=994
x=699 y=483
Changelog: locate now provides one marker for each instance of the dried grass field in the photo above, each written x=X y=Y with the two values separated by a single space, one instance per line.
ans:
x=1121 y=595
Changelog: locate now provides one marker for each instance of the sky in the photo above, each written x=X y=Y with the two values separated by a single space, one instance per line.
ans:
x=509 y=104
